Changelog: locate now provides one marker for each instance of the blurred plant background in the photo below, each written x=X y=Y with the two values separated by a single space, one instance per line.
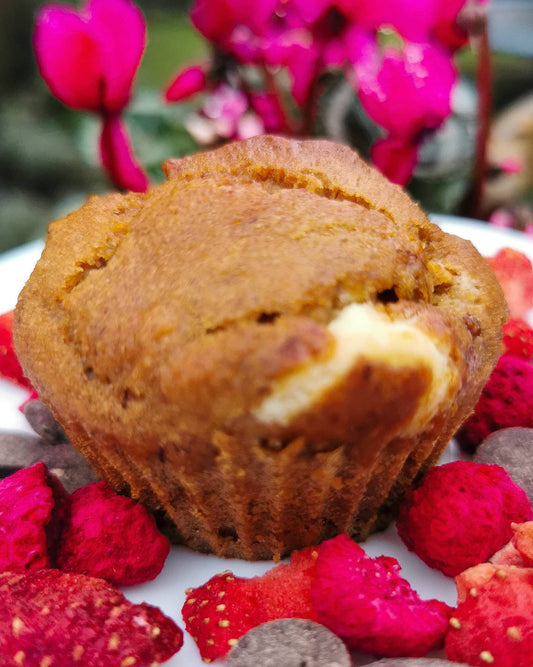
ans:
x=48 y=153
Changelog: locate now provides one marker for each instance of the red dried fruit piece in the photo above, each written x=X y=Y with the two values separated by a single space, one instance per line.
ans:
x=519 y=551
x=32 y=396
x=366 y=602
x=286 y=589
x=506 y=400
x=472 y=579
x=518 y=339
x=493 y=623
x=515 y=274
x=9 y=363
x=523 y=541
x=226 y=607
x=461 y=514
x=507 y=555
x=30 y=502
x=219 y=612
x=53 y=618
x=112 y=537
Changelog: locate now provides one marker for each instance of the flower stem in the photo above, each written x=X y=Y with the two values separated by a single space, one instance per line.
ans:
x=310 y=109
x=484 y=91
x=273 y=88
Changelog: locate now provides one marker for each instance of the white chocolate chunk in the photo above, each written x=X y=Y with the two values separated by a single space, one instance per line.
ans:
x=362 y=332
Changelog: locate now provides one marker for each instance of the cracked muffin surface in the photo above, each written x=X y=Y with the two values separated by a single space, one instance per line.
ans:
x=275 y=335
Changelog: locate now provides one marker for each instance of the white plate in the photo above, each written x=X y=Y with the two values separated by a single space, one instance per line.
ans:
x=185 y=568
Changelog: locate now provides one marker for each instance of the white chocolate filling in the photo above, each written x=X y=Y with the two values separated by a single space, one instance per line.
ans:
x=362 y=332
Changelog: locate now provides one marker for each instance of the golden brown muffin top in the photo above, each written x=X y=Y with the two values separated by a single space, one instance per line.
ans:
x=183 y=307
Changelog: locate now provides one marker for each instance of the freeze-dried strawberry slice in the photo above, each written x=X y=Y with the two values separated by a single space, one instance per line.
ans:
x=30 y=500
x=219 y=612
x=286 y=589
x=461 y=514
x=518 y=339
x=226 y=607
x=51 y=618
x=523 y=541
x=9 y=363
x=519 y=551
x=366 y=602
x=493 y=623
x=507 y=555
x=506 y=401
x=515 y=274
x=109 y=536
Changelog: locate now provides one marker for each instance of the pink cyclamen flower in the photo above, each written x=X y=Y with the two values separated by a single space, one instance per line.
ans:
x=395 y=157
x=407 y=92
x=406 y=89
x=89 y=59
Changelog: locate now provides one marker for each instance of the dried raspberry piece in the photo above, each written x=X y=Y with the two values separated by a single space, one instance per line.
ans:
x=506 y=400
x=9 y=363
x=366 y=602
x=227 y=607
x=109 y=536
x=493 y=623
x=30 y=500
x=461 y=514
x=518 y=339
x=515 y=274
x=52 y=618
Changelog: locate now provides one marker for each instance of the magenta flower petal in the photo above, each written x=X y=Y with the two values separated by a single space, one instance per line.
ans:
x=189 y=82
x=267 y=106
x=303 y=68
x=117 y=156
x=446 y=31
x=395 y=158
x=68 y=57
x=411 y=91
x=311 y=10
x=413 y=19
x=216 y=19
x=88 y=63
x=120 y=29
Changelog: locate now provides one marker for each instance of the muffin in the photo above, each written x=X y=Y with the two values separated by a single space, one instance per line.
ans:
x=266 y=349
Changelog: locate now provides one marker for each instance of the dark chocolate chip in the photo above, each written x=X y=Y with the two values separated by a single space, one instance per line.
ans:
x=290 y=642
x=44 y=423
x=415 y=662
x=18 y=451
x=511 y=448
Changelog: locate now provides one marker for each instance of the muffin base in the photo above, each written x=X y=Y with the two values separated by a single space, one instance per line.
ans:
x=254 y=509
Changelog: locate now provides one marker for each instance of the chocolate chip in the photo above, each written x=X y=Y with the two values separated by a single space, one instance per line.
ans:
x=44 y=423
x=415 y=662
x=291 y=642
x=511 y=448
x=21 y=451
